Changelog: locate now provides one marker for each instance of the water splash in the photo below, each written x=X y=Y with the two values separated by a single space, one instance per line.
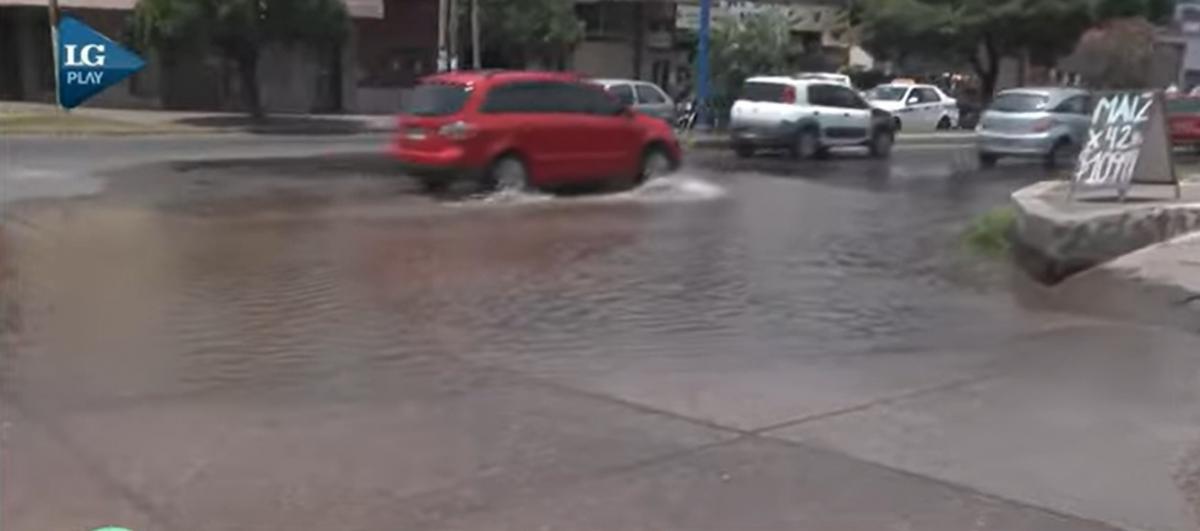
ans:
x=674 y=188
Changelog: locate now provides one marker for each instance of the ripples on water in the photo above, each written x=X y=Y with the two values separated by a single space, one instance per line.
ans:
x=678 y=268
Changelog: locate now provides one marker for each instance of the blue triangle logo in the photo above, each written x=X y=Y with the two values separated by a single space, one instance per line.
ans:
x=89 y=62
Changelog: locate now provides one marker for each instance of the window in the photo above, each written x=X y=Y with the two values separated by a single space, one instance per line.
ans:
x=846 y=98
x=532 y=97
x=1019 y=102
x=623 y=93
x=1073 y=105
x=889 y=93
x=514 y=98
x=436 y=99
x=926 y=95
x=759 y=91
x=649 y=94
x=603 y=20
x=1183 y=106
x=586 y=98
x=824 y=95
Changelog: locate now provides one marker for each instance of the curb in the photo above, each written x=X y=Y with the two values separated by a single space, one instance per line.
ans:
x=708 y=141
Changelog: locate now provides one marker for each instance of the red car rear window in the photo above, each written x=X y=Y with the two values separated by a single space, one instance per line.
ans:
x=436 y=99
x=1183 y=106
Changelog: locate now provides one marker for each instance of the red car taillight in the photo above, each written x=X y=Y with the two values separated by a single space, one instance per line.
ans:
x=789 y=95
x=459 y=130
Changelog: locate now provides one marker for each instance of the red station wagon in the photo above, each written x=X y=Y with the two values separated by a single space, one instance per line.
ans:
x=516 y=130
x=1183 y=115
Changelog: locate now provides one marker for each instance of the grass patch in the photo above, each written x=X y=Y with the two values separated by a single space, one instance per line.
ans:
x=988 y=234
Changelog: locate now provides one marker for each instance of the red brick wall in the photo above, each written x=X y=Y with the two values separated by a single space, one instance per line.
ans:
x=400 y=48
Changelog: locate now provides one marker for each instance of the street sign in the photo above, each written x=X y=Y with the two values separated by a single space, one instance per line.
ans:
x=89 y=63
x=1127 y=144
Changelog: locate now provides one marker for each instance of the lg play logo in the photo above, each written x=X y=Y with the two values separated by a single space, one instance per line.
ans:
x=89 y=62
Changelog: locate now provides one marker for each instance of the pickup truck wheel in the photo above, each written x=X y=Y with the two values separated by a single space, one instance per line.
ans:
x=987 y=160
x=806 y=145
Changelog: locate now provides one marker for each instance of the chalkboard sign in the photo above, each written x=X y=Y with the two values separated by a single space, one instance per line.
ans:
x=1127 y=144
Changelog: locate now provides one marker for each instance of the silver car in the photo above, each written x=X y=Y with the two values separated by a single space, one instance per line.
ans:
x=1046 y=123
x=642 y=96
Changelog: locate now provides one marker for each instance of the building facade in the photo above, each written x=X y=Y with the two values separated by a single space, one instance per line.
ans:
x=628 y=39
x=391 y=43
x=820 y=29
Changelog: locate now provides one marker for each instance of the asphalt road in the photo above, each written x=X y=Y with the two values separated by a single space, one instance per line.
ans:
x=271 y=333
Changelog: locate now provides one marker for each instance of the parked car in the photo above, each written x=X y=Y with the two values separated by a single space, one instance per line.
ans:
x=806 y=117
x=1048 y=123
x=527 y=129
x=840 y=79
x=916 y=107
x=1183 y=115
x=646 y=98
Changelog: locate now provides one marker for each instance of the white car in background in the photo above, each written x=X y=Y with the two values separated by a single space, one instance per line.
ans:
x=840 y=79
x=916 y=107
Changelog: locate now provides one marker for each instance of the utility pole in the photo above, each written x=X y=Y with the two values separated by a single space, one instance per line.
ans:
x=53 y=17
x=702 y=75
x=455 y=49
x=476 y=50
x=443 y=64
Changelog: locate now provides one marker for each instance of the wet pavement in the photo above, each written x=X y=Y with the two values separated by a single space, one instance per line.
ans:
x=272 y=332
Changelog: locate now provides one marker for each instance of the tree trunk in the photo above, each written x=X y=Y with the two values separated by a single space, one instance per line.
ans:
x=988 y=69
x=248 y=72
x=639 y=38
x=476 y=46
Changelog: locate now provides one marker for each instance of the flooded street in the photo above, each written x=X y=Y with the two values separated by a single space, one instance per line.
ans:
x=218 y=341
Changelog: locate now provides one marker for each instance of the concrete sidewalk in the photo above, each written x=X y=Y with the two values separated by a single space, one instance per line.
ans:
x=47 y=119
x=720 y=139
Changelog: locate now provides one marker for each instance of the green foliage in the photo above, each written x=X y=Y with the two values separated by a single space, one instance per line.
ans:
x=756 y=45
x=237 y=29
x=989 y=234
x=528 y=31
x=235 y=26
x=1117 y=55
x=1157 y=11
x=976 y=32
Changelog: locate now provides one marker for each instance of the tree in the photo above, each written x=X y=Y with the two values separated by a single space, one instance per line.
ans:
x=755 y=45
x=238 y=30
x=1156 y=11
x=1117 y=55
x=530 y=32
x=979 y=33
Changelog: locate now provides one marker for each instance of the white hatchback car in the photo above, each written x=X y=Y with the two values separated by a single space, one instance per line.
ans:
x=916 y=107
x=806 y=117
